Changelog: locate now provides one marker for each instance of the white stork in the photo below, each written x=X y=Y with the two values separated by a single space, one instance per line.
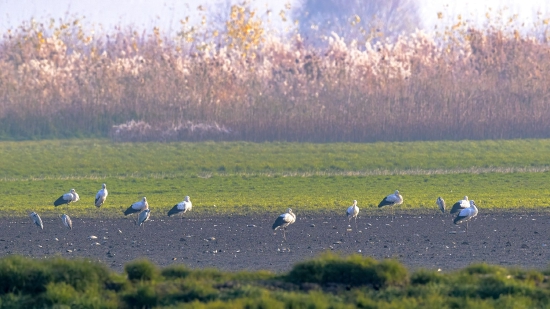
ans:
x=101 y=196
x=36 y=219
x=391 y=200
x=441 y=204
x=462 y=204
x=67 y=198
x=352 y=212
x=181 y=207
x=466 y=214
x=67 y=221
x=284 y=220
x=137 y=207
x=143 y=216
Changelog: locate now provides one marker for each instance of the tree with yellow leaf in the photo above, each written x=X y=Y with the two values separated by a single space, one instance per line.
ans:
x=244 y=30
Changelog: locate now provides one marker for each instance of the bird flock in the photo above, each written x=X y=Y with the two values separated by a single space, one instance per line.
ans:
x=464 y=209
x=141 y=208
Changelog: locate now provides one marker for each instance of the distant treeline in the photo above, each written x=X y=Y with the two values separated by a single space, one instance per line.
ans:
x=245 y=83
x=328 y=281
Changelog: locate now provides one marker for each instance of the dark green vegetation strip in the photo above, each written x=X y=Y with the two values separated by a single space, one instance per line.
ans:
x=328 y=281
x=239 y=176
x=102 y=158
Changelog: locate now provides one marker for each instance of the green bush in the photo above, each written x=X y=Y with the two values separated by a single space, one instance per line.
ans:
x=141 y=270
x=16 y=301
x=189 y=291
x=142 y=296
x=496 y=287
x=23 y=275
x=60 y=294
x=354 y=270
x=528 y=276
x=341 y=282
x=175 y=271
x=116 y=283
x=81 y=274
x=484 y=269
x=424 y=276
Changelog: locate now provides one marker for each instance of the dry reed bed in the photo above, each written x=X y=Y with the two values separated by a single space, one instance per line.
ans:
x=249 y=84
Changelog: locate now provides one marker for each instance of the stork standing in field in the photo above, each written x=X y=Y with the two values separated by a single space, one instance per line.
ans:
x=143 y=216
x=284 y=220
x=67 y=198
x=462 y=204
x=101 y=196
x=67 y=221
x=36 y=219
x=181 y=207
x=352 y=212
x=441 y=204
x=137 y=207
x=466 y=214
x=392 y=200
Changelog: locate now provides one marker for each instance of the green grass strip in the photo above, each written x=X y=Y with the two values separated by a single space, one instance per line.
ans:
x=244 y=194
x=273 y=176
x=92 y=158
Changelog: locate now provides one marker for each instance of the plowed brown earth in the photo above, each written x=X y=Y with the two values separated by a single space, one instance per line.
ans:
x=248 y=242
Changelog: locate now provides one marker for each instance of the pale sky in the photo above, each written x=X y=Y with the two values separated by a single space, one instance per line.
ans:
x=144 y=13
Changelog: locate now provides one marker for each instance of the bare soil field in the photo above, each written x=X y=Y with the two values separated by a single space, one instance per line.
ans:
x=236 y=242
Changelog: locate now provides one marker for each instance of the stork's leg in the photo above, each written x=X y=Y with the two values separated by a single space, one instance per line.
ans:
x=284 y=233
x=356 y=223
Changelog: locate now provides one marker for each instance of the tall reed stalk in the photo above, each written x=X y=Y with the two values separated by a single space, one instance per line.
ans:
x=59 y=81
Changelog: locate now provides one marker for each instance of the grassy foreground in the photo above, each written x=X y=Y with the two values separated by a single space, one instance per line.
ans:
x=328 y=281
x=238 y=176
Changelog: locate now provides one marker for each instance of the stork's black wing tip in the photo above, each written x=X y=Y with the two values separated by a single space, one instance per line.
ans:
x=59 y=201
x=173 y=211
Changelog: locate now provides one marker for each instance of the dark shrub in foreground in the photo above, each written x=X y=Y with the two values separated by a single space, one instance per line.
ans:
x=23 y=275
x=29 y=283
x=354 y=270
x=141 y=270
x=142 y=296
x=59 y=283
x=424 y=276
x=20 y=274
x=175 y=271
